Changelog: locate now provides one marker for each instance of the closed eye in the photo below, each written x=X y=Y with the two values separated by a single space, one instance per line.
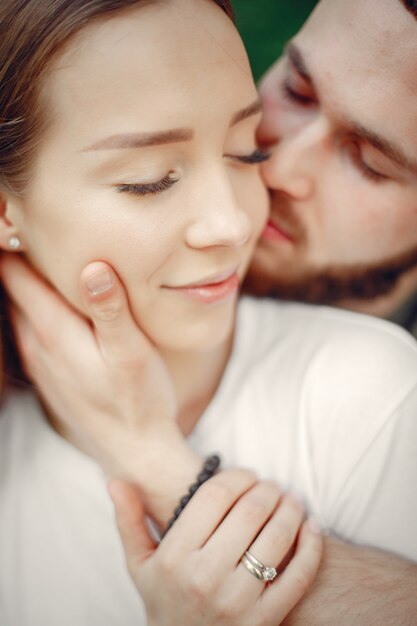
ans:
x=294 y=96
x=355 y=155
x=258 y=156
x=148 y=189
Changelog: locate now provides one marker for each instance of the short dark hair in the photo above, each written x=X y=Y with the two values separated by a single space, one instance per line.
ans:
x=410 y=5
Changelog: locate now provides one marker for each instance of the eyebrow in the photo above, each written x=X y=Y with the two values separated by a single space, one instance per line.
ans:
x=177 y=135
x=390 y=149
x=142 y=140
x=294 y=54
x=253 y=109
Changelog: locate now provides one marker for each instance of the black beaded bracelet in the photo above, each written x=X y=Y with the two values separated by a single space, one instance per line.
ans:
x=211 y=465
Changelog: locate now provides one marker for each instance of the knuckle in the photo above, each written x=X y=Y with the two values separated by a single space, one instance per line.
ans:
x=200 y=585
x=107 y=311
x=227 y=611
x=227 y=487
x=229 y=606
x=243 y=478
x=217 y=491
x=253 y=507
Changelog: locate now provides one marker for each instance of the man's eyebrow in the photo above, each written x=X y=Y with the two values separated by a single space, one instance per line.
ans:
x=252 y=109
x=296 y=57
x=388 y=148
x=142 y=140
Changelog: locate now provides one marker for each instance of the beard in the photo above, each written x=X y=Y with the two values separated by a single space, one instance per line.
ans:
x=329 y=285
x=326 y=285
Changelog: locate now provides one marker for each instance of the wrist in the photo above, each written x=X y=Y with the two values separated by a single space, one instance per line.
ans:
x=162 y=466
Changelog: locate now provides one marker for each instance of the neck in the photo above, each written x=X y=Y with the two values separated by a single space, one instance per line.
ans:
x=196 y=377
x=386 y=306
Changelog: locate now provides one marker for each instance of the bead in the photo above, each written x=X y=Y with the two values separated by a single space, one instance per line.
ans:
x=209 y=468
x=194 y=487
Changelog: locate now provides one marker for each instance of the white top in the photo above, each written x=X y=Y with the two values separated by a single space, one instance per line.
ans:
x=323 y=401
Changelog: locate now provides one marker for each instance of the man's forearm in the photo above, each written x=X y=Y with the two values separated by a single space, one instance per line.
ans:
x=359 y=587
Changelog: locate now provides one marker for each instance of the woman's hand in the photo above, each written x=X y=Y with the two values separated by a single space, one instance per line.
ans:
x=195 y=576
x=105 y=386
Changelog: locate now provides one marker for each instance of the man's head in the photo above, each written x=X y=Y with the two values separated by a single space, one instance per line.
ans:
x=341 y=115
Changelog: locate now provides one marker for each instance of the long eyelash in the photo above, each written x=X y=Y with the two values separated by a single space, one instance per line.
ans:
x=365 y=170
x=147 y=189
x=258 y=156
x=294 y=96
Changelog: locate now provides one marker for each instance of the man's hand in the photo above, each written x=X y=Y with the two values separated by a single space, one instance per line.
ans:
x=359 y=587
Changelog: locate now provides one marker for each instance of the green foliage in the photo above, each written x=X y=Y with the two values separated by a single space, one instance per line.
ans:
x=266 y=25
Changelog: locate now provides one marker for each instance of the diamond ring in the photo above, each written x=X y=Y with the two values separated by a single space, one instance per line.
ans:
x=259 y=570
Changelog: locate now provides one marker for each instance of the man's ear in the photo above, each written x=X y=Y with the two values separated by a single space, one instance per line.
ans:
x=9 y=236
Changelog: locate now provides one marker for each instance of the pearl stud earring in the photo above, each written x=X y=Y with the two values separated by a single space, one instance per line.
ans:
x=14 y=243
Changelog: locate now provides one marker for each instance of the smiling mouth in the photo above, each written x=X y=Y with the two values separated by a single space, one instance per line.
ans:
x=217 y=288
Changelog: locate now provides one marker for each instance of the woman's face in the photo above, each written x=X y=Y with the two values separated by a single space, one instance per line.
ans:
x=145 y=165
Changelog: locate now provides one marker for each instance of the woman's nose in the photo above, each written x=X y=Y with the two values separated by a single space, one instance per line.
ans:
x=219 y=223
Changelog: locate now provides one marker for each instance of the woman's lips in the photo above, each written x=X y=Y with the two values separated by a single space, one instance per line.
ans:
x=211 y=292
x=273 y=232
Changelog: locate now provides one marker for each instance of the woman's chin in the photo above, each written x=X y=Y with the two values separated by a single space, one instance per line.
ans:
x=201 y=328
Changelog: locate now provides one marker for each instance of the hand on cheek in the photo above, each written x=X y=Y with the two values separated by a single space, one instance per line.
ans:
x=106 y=388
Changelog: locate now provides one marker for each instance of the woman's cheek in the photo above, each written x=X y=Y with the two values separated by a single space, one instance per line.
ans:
x=258 y=198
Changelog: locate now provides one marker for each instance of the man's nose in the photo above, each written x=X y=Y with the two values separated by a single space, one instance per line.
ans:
x=296 y=160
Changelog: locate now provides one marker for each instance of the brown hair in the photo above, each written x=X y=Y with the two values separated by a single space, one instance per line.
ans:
x=31 y=33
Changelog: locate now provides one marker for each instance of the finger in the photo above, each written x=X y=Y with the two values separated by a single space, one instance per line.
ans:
x=273 y=544
x=206 y=510
x=116 y=331
x=282 y=595
x=242 y=524
x=131 y=522
x=279 y=535
x=44 y=309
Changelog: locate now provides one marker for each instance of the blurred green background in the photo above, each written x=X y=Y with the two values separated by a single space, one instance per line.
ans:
x=266 y=25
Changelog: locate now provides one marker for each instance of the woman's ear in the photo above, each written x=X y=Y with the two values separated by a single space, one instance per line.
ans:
x=9 y=236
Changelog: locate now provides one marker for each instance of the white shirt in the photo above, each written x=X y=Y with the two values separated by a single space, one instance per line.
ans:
x=323 y=401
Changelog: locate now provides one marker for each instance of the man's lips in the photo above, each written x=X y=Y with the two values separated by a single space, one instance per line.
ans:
x=273 y=232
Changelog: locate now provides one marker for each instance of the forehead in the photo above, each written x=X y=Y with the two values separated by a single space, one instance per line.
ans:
x=363 y=54
x=159 y=59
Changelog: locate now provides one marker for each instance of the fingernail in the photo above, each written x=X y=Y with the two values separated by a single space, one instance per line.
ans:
x=314 y=526
x=100 y=282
